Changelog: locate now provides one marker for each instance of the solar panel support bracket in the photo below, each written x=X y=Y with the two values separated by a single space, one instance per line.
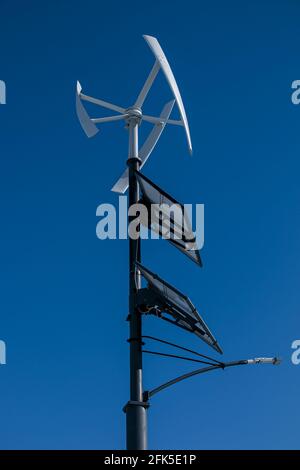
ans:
x=145 y=297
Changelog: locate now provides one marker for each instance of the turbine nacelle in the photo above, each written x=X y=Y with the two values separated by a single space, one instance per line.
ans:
x=134 y=111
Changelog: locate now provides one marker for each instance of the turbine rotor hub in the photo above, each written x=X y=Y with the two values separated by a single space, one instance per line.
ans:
x=134 y=113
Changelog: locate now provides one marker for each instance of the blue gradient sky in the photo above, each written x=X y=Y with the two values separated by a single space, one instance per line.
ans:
x=63 y=296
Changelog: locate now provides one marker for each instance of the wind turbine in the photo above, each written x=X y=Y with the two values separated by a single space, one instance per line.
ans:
x=135 y=111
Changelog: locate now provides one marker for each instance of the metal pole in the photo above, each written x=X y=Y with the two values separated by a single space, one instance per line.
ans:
x=136 y=409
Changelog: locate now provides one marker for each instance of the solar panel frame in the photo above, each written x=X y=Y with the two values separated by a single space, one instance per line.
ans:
x=161 y=192
x=182 y=243
x=189 y=316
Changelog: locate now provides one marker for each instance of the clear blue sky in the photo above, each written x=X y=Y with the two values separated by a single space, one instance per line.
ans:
x=64 y=292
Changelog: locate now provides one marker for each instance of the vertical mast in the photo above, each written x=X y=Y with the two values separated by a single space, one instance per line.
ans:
x=136 y=409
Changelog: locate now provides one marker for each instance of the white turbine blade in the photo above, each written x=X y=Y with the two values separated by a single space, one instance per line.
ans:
x=122 y=184
x=155 y=134
x=118 y=117
x=157 y=120
x=87 y=125
x=148 y=146
x=102 y=103
x=160 y=56
x=148 y=83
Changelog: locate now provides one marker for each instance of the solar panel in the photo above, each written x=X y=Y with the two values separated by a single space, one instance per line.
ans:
x=168 y=218
x=178 y=306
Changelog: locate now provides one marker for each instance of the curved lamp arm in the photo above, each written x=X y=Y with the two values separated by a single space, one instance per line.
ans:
x=258 y=360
